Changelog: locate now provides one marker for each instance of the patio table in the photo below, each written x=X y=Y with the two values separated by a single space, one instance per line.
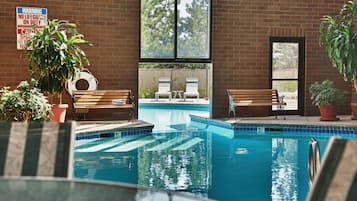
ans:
x=178 y=93
x=48 y=188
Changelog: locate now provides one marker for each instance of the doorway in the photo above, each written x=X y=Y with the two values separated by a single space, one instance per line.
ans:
x=287 y=63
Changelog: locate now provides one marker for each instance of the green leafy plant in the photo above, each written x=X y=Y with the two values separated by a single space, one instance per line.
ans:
x=25 y=100
x=339 y=35
x=147 y=93
x=56 y=56
x=325 y=93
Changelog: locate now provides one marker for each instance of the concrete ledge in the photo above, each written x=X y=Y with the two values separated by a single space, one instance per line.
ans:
x=102 y=127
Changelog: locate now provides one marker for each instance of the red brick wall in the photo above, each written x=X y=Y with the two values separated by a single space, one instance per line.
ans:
x=112 y=27
x=240 y=47
x=241 y=31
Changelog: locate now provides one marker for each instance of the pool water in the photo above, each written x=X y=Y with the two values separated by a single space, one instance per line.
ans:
x=205 y=161
x=167 y=117
x=249 y=166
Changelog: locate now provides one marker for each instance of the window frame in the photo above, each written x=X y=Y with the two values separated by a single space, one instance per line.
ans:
x=175 y=59
x=301 y=73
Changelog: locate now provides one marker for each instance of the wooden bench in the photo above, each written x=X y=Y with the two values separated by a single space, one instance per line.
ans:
x=253 y=97
x=85 y=100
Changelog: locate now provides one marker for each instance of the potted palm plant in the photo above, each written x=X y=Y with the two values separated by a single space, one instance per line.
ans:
x=326 y=97
x=24 y=103
x=339 y=35
x=55 y=57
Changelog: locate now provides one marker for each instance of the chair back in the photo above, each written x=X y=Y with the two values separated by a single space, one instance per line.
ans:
x=192 y=85
x=36 y=149
x=164 y=84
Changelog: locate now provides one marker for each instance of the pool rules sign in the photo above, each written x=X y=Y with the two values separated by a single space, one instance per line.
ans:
x=29 y=20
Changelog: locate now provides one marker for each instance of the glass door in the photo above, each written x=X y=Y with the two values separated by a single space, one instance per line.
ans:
x=287 y=72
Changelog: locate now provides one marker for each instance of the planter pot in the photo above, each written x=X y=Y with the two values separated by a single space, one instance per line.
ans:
x=27 y=117
x=59 y=112
x=328 y=113
x=354 y=111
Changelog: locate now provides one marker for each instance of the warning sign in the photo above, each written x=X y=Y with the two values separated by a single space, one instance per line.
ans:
x=29 y=20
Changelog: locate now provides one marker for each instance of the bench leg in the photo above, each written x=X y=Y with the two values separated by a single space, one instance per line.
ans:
x=131 y=114
x=281 y=108
x=232 y=111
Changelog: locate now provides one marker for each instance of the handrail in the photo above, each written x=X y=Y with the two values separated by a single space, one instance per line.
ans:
x=314 y=159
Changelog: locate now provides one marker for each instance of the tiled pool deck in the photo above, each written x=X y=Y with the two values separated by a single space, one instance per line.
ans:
x=345 y=120
x=308 y=124
x=85 y=128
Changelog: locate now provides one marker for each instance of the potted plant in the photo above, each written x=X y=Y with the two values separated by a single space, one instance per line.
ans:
x=326 y=97
x=55 y=57
x=339 y=35
x=24 y=103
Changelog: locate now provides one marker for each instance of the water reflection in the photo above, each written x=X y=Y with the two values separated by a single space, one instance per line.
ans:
x=245 y=166
x=284 y=171
x=184 y=168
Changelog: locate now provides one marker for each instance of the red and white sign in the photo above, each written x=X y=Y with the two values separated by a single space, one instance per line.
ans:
x=29 y=20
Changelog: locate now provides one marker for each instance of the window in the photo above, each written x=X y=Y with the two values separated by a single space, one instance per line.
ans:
x=175 y=30
x=287 y=67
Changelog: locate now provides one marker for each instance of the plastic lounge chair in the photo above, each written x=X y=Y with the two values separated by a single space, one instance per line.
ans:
x=164 y=88
x=191 y=88
x=36 y=149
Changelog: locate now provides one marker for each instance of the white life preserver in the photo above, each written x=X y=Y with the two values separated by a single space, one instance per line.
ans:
x=83 y=75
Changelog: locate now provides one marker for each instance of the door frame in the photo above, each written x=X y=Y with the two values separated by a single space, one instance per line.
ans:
x=301 y=72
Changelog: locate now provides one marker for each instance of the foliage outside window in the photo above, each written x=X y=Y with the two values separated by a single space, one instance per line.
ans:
x=173 y=66
x=175 y=29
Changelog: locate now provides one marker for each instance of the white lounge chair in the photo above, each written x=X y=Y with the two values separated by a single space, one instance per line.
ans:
x=191 y=88
x=164 y=88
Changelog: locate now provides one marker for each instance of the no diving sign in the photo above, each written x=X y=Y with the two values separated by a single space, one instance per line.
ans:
x=29 y=20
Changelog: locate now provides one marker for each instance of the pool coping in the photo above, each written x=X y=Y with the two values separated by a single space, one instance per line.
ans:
x=97 y=129
x=277 y=125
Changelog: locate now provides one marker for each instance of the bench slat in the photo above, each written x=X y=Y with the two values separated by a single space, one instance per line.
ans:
x=98 y=103
x=100 y=97
x=105 y=100
x=128 y=106
x=102 y=91
x=102 y=94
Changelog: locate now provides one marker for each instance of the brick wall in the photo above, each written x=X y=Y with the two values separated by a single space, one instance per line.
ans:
x=112 y=27
x=240 y=47
x=241 y=31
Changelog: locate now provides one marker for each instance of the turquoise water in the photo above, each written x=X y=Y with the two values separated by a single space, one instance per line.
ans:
x=167 y=117
x=205 y=161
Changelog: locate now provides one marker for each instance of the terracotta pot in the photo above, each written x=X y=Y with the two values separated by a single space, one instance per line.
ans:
x=58 y=112
x=328 y=113
x=27 y=117
x=354 y=111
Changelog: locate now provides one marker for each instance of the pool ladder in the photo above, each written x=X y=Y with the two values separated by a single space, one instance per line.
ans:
x=314 y=159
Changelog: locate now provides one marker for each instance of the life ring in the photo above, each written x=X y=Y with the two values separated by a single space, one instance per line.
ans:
x=83 y=75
